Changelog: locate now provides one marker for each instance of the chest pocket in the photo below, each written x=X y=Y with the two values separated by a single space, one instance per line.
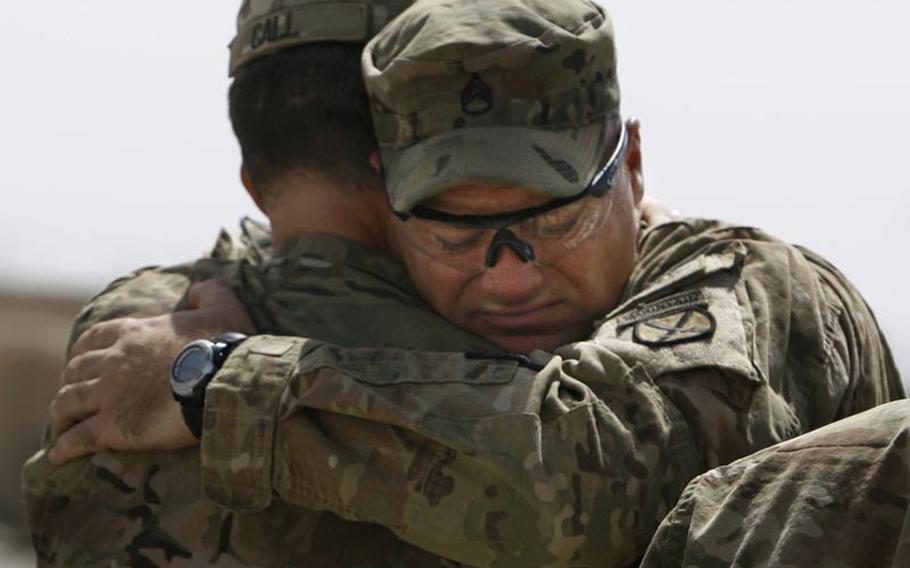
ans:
x=688 y=319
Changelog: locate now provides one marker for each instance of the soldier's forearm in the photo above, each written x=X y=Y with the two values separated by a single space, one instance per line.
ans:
x=472 y=460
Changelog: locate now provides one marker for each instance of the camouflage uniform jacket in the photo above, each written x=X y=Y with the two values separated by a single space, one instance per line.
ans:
x=727 y=341
x=144 y=509
x=836 y=497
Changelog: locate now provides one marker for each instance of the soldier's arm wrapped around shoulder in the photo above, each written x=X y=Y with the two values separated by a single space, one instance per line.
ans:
x=484 y=462
x=147 y=292
x=100 y=509
x=94 y=510
x=156 y=290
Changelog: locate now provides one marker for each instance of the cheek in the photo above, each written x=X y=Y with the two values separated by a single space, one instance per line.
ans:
x=437 y=284
x=597 y=272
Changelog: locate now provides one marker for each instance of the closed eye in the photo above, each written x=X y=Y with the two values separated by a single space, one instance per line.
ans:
x=459 y=245
x=551 y=225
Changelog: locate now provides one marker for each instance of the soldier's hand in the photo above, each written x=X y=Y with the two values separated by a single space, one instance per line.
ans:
x=115 y=391
x=656 y=212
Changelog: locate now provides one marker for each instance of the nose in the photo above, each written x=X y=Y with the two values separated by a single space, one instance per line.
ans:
x=512 y=280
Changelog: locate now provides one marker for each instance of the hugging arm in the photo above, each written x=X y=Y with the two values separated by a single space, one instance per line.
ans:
x=470 y=459
x=484 y=462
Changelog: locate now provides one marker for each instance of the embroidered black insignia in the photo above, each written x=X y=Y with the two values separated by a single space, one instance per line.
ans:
x=476 y=97
x=690 y=324
x=680 y=318
x=272 y=29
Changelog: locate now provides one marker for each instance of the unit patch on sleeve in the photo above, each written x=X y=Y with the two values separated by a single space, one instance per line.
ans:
x=680 y=318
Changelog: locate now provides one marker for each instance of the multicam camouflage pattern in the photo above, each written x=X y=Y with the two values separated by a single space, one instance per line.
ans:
x=267 y=26
x=836 y=497
x=795 y=345
x=149 y=509
x=304 y=288
x=509 y=91
x=142 y=510
x=484 y=462
x=739 y=279
x=480 y=461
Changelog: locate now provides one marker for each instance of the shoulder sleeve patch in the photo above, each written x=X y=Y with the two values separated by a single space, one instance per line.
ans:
x=680 y=318
x=691 y=329
x=688 y=324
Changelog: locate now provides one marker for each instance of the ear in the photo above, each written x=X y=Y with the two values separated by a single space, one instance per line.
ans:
x=379 y=203
x=251 y=189
x=634 y=160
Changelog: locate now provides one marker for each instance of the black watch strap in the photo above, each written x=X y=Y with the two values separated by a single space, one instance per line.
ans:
x=193 y=407
x=192 y=416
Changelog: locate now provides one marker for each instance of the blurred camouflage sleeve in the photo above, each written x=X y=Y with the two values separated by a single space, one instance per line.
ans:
x=119 y=509
x=114 y=510
x=87 y=512
x=143 y=509
x=146 y=292
x=484 y=462
x=837 y=496
x=154 y=290
x=115 y=491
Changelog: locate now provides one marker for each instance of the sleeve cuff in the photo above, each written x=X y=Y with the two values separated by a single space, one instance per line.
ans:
x=241 y=409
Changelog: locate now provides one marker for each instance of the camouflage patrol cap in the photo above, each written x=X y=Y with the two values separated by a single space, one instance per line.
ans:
x=266 y=26
x=515 y=92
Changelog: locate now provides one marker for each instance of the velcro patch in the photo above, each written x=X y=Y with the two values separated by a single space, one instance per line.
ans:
x=680 y=318
x=271 y=346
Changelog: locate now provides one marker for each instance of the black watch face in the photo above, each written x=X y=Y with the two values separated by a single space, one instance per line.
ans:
x=192 y=365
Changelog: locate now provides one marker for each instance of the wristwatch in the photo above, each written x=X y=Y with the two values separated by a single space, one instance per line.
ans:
x=192 y=370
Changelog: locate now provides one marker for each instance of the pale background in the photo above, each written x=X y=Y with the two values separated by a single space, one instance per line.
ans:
x=116 y=152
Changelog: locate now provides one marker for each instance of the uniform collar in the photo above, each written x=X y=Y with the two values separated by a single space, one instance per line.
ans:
x=323 y=251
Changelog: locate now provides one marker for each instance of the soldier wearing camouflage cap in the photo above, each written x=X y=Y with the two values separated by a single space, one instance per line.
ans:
x=523 y=100
x=485 y=462
x=520 y=100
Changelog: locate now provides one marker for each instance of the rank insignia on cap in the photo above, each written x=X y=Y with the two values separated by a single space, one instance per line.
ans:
x=681 y=318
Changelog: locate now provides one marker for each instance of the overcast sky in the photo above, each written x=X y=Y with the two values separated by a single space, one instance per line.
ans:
x=116 y=151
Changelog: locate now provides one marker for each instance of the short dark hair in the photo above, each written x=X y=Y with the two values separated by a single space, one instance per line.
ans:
x=305 y=107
